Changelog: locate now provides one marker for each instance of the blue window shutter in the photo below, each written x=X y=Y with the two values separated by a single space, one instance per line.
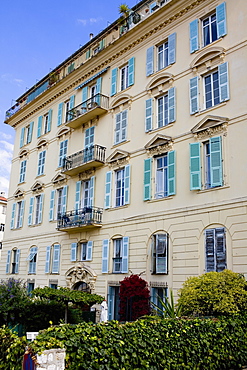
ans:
x=12 y=223
x=131 y=71
x=77 y=195
x=56 y=258
x=127 y=184
x=39 y=130
x=223 y=81
x=220 y=249
x=111 y=302
x=216 y=161
x=194 y=95
x=23 y=171
x=108 y=190
x=114 y=81
x=60 y=114
x=210 y=250
x=22 y=137
x=161 y=261
x=105 y=253
x=73 y=252
x=171 y=173
x=30 y=212
x=30 y=133
x=91 y=191
x=64 y=198
x=98 y=89
x=172 y=48
x=72 y=102
x=8 y=262
x=89 y=255
x=17 y=261
x=102 y=44
x=194 y=37
x=49 y=120
x=147 y=178
x=22 y=213
x=40 y=208
x=172 y=105
x=125 y=255
x=89 y=137
x=84 y=95
x=195 y=166
x=52 y=202
x=221 y=19
x=150 y=61
x=47 y=260
x=149 y=115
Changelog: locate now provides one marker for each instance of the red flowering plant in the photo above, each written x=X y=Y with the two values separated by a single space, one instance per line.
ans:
x=134 y=298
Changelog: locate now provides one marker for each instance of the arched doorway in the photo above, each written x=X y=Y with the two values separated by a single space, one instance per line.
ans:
x=82 y=287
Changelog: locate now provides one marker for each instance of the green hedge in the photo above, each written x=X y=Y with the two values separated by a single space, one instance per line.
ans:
x=12 y=349
x=151 y=343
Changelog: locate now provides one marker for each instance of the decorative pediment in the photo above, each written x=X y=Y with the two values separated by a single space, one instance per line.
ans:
x=210 y=125
x=121 y=100
x=160 y=80
x=81 y=273
x=207 y=55
x=37 y=186
x=19 y=193
x=63 y=131
x=117 y=155
x=159 y=144
x=59 y=178
x=42 y=142
x=23 y=153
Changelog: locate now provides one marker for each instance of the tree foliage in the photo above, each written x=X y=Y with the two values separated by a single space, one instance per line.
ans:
x=167 y=307
x=213 y=294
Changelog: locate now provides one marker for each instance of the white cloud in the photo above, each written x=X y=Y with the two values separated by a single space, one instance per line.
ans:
x=4 y=185
x=8 y=77
x=82 y=21
x=85 y=22
x=6 y=136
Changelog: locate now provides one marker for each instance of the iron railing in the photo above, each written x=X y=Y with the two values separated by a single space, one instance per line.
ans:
x=96 y=101
x=92 y=153
x=80 y=218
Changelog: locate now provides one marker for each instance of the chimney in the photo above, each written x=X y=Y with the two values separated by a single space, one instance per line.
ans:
x=91 y=36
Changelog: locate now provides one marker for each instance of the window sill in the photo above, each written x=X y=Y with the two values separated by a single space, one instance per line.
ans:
x=157 y=129
x=213 y=189
x=120 y=207
x=209 y=45
x=210 y=109
x=121 y=143
x=170 y=197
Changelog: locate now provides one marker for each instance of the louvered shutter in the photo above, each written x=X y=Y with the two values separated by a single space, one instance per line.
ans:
x=223 y=81
x=108 y=190
x=220 y=249
x=194 y=37
x=52 y=202
x=64 y=198
x=30 y=213
x=47 y=260
x=12 y=223
x=150 y=61
x=147 y=178
x=30 y=133
x=105 y=253
x=171 y=105
x=216 y=161
x=40 y=209
x=221 y=20
x=210 y=250
x=195 y=166
x=114 y=81
x=56 y=259
x=131 y=71
x=91 y=191
x=98 y=90
x=172 y=48
x=84 y=96
x=21 y=213
x=17 y=261
x=73 y=252
x=171 y=173
x=149 y=115
x=8 y=262
x=22 y=137
x=194 y=92
x=49 y=120
x=161 y=253
x=125 y=255
x=127 y=184
x=89 y=255
x=77 y=195
x=60 y=114
x=39 y=129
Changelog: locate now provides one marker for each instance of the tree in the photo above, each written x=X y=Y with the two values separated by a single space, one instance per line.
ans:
x=213 y=294
x=134 y=298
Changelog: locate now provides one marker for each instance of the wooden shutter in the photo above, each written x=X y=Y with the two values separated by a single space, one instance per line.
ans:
x=194 y=95
x=171 y=105
x=147 y=178
x=8 y=262
x=22 y=137
x=221 y=20
x=39 y=129
x=56 y=259
x=127 y=184
x=108 y=190
x=89 y=137
x=91 y=191
x=223 y=81
x=149 y=115
x=105 y=253
x=52 y=202
x=220 y=249
x=216 y=161
x=84 y=96
x=73 y=252
x=77 y=195
x=161 y=248
x=131 y=71
x=40 y=208
x=125 y=255
x=64 y=198
x=89 y=255
x=150 y=61
x=195 y=166
x=17 y=261
x=47 y=260
x=49 y=120
x=30 y=213
x=194 y=37
x=210 y=250
x=111 y=302
x=171 y=173
x=172 y=48
x=12 y=223
x=21 y=213
x=114 y=81
x=30 y=133
x=72 y=102
x=60 y=114
x=98 y=90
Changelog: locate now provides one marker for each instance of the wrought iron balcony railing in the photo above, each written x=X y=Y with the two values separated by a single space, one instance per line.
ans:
x=89 y=109
x=93 y=156
x=81 y=218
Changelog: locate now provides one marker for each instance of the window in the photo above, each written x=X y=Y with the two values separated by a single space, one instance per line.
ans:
x=215 y=248
x=32 y=260
x=17 y=215
x=69 y=105
x=121 y=189
x=26 y=134
x=113 y=303
x=91 y=94
x=82 y=251
x=41 y=163
x=215 y=88
x=165 y=55
x=30 y=287
x=158 y=294
x=52 y=264
x=44 y=124
x=4 y=209
x=53 y=285
x=160 y=254
x=166 y=110
x=121 y=127
x=213 y=26
x=62 y=152
x=84 y=196
x=126 y=74
x=212 y=166
x=23 y=171
x=35 y=210
x=120 y=255
x=13 y=258
x=58 y=202
x=2 y=227
x=164 y=166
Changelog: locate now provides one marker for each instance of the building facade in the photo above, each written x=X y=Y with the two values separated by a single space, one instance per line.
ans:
x=3 y=210
x=130 y=156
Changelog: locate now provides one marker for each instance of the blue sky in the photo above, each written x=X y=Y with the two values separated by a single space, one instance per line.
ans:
x=35 y=37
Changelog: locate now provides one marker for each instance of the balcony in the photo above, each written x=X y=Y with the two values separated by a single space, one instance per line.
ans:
x=81 y=219
x=89 y=109
x=93 y=156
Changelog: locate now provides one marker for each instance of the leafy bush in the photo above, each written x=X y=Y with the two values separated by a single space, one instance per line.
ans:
x=167 y=307
x=12 y=349
x=213 y=294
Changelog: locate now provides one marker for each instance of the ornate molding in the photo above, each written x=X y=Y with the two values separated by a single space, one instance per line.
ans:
x=211 y=131
x=160 y=149
x=81 y=273
x=85 y=175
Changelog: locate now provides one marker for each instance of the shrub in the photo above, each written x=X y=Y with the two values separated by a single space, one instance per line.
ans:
x=12 y=349
x=213 y=294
